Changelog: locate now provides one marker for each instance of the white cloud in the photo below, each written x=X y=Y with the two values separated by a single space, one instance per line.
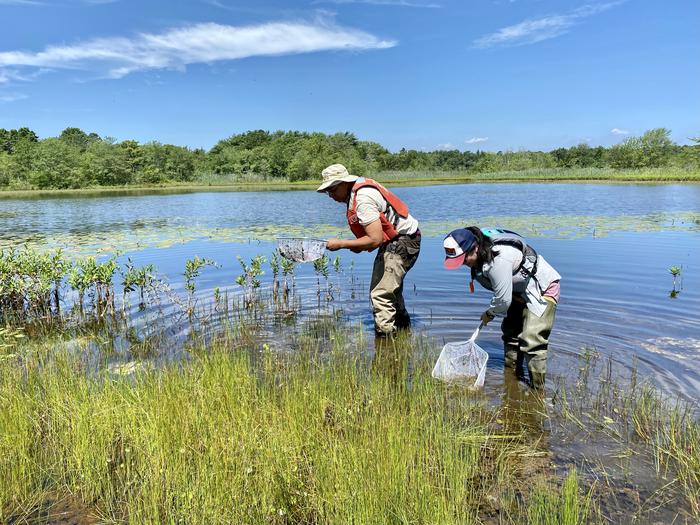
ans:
x=20 y=2
x=399 y=3
x=539 y=29
x=618 y=131
x=476 y=140
x=200 y=43
x=445 y=147
x=12 y=97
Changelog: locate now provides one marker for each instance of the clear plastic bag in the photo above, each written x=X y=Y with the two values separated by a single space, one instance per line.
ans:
x=462 y=363
x=301 y=249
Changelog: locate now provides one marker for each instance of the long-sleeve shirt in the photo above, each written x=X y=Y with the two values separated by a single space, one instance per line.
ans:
x=498 y=277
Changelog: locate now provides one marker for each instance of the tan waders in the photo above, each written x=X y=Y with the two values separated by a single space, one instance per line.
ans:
x=393 y=261
x=526 y=338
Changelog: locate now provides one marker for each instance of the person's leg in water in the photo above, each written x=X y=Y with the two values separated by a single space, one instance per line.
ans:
x=534 y=343
x=392 y=263
x=511 y=327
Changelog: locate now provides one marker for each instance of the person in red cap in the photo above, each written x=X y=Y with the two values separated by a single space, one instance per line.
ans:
x=377 y=219
x=525 y=290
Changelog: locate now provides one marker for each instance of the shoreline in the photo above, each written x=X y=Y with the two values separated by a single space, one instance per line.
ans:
x=496 y=178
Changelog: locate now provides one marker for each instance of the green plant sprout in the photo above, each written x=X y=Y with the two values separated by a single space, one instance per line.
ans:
x=249 y=278
x=193 y=268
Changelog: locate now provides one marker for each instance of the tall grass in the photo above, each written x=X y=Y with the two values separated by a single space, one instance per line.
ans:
x=319 y=436
x=544 y=175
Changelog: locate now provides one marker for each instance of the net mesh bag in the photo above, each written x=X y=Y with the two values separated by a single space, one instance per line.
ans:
x=462 y=363
x=301 y=249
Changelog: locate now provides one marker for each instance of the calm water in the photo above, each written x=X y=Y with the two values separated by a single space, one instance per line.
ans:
x=613 y=245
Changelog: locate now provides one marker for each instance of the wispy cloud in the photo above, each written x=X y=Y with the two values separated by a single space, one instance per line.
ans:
x=200 y=43
x=476 y=140
x=539 y=29
x=8 y=75
x=618 y=131
x=445 y=147
x=399 y=3
x=11 y=97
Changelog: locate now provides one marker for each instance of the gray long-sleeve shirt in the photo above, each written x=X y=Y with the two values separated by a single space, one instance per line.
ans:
x=498 y=277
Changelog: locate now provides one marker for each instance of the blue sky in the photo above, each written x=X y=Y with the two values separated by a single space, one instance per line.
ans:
x=423 y=74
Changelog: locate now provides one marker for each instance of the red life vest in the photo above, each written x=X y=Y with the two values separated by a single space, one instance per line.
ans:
x=388 y=230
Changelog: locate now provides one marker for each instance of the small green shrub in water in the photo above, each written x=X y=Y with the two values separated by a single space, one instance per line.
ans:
x=137 y=278
x=193 y=269
x=248 y=280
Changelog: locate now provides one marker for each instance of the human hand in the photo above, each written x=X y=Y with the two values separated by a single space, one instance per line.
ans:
x=487 y=317
x=333 y=245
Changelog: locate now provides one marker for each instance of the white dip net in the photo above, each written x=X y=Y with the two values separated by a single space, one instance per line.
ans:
x=301 y=249
x=462 y=363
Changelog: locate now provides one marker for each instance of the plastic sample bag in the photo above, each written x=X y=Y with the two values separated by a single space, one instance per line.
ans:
x=462 y=363
x=301 y=249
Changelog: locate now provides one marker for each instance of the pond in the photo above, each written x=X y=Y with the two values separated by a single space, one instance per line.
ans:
x=613 y=245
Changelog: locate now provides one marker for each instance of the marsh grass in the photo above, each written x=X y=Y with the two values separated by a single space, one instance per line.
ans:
x=320 y=435
x=253 y=427
x=650 y=430
x=544 y=175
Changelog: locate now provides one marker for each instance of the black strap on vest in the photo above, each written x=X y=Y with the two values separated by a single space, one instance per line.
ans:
x=529 y=254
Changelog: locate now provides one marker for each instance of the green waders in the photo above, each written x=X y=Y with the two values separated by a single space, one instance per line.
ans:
x=526 y=338
x=394 y=259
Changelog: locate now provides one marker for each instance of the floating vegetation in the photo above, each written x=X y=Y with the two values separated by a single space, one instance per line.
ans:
x=156 y=234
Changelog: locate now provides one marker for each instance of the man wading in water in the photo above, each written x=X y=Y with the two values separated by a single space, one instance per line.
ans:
x=378 y=219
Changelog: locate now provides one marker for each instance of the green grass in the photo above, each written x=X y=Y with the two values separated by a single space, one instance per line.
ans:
x=210 y=182
x=257 y=437
x=546 y=175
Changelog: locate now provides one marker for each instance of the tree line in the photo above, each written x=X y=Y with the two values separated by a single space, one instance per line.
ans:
x=76 y=159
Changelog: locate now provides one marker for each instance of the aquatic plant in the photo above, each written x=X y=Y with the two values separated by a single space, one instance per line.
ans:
x=342 y=442
x=137 y=278
x=193 y=269
x=336 y=264
x=248 y=280
x=87 y=276
x=288 y=273
x=321 y=269
x=30 y=283
x=676 y=272
x=275 y=267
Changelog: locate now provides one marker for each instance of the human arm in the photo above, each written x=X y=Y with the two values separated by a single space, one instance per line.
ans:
x=372 y=239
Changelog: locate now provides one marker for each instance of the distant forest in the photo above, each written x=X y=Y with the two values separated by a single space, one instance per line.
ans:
x=77 y=159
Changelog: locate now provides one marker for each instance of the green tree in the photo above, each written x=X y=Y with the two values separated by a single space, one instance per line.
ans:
x=10 y=137
x=56 y=165
x=75 y=137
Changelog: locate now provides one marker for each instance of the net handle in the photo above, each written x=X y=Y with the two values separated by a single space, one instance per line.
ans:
x=476 y=332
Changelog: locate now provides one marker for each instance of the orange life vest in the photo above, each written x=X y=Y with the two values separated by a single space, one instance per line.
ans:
x=388 y=230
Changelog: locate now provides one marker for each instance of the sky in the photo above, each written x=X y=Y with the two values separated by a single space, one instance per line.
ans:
x=416 y=74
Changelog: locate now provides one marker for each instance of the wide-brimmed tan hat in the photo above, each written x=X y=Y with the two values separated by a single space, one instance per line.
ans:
x=334 y=174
